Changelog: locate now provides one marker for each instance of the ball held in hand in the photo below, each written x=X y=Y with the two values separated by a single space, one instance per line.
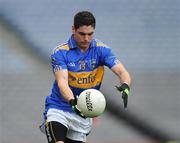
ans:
x=91 y=103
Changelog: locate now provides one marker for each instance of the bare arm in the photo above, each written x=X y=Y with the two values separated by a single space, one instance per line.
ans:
x=122 y=73
x=61 y=77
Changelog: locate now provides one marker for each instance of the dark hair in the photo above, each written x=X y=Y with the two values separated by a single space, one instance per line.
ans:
x=84 y=18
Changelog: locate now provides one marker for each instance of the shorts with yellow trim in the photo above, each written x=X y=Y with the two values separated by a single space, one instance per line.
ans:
x=72 y=126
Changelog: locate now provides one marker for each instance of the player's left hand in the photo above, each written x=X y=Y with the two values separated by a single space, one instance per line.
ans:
x=73 y=103
x=124 y=89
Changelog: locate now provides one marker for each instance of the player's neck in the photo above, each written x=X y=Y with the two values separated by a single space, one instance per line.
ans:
x=83 y=49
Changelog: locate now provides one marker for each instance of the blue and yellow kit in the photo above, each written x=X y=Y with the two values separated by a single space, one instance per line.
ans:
x=85 y=70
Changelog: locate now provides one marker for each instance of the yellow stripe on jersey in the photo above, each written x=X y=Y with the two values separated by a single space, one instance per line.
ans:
x=61 y=47
x=101 y=45
x=86 y=79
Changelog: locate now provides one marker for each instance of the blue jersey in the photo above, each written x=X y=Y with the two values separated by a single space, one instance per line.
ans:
x=85 y=70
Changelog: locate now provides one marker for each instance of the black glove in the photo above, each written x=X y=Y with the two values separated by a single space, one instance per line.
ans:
x=124 y=89
x=73 y=103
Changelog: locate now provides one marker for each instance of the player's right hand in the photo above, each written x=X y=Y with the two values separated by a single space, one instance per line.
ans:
x=73 y=103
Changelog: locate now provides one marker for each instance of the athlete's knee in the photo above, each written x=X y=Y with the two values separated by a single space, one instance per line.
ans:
x=59 y=142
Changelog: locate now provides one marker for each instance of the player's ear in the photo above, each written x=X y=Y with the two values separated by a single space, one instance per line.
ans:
x=73 y=30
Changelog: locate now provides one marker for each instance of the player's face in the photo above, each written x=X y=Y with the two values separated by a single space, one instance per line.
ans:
x=83 y=36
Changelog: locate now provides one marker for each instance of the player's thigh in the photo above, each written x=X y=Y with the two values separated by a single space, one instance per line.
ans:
x=55 y=132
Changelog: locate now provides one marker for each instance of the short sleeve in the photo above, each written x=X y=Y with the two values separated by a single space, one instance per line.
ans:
x=108 y=57
x=58 y=61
